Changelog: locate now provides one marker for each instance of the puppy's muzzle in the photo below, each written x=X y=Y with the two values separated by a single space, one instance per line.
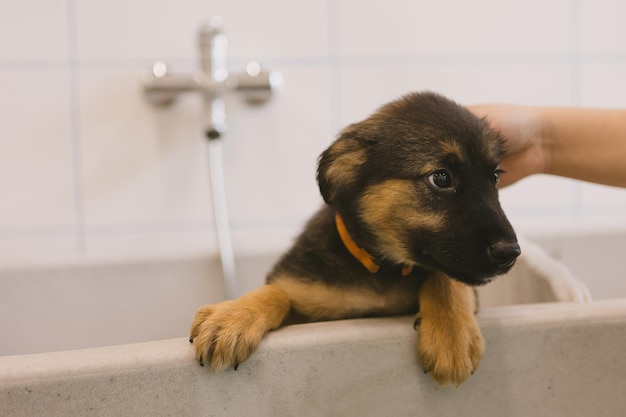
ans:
x=504 y=253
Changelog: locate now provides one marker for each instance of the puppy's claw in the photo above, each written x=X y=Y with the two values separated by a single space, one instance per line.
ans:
x=416 y=323
x=427 y=368
x=191 y=340
x=201 y=361
x=236 y=366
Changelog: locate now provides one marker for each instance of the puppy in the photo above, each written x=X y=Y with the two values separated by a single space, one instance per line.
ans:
x=411 y=223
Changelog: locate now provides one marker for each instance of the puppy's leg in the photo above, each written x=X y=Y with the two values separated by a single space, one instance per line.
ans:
x=227 y=333
x=450 y=343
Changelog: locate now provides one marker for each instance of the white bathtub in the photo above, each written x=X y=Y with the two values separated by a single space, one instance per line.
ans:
x=91 y=304
x=561 y=357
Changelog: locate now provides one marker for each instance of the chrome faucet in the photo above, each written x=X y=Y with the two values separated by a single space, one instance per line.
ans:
x=213 y=80
x=213 y=47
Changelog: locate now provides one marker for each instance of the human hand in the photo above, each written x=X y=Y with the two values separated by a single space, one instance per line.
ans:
x=525 y=143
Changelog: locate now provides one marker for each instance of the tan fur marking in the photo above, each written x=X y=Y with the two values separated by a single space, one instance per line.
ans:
x=429 y=168
x=392 y=208
x=450 y=342
x=453 y=148
x=226 y=334
x=319 y=301
x=492 y=149
x=348 y=157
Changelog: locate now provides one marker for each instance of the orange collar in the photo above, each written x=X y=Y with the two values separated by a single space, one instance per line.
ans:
x=358 y=252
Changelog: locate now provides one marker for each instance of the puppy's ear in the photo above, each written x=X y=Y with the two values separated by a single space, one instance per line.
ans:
x=338 y=166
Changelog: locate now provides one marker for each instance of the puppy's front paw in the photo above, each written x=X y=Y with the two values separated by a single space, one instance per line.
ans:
x=450 y=348
x=226 y=334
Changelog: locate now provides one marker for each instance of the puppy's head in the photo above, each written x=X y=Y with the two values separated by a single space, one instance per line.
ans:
x=416 y=183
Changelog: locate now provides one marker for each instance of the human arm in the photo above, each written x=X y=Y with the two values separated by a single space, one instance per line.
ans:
x=581 y=143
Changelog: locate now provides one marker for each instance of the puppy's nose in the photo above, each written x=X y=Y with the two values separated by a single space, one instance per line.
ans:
x=504 y=253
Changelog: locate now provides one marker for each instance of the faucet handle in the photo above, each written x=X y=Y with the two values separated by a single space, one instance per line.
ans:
x=162 y=87
x=256 y=84
x=157 y=96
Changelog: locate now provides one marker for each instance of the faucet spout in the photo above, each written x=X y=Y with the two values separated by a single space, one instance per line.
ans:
x=213 y=65
x=213 y=50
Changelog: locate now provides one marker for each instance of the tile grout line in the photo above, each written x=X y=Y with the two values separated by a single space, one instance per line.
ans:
x=74 y=96
x=574 y=53
x=575 y=91
x=334 y=68
x=415 y=59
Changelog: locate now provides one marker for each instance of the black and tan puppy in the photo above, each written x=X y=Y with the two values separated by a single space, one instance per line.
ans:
x=411 y=222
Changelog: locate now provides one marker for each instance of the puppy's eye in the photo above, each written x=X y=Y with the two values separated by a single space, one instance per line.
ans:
x=441 y=179
x=496 y=175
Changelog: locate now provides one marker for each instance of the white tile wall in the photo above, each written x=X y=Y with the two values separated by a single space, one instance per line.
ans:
x=36 y=153
x=393 y=28
x=89 y=170
x=140 y=165
x=466 y=83
x=601 y=27
x=602 y=83
x=33 y=30
x=46 y=246
x=167 y=29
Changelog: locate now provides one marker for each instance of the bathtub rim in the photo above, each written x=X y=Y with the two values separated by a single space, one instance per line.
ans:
x=178 y=351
